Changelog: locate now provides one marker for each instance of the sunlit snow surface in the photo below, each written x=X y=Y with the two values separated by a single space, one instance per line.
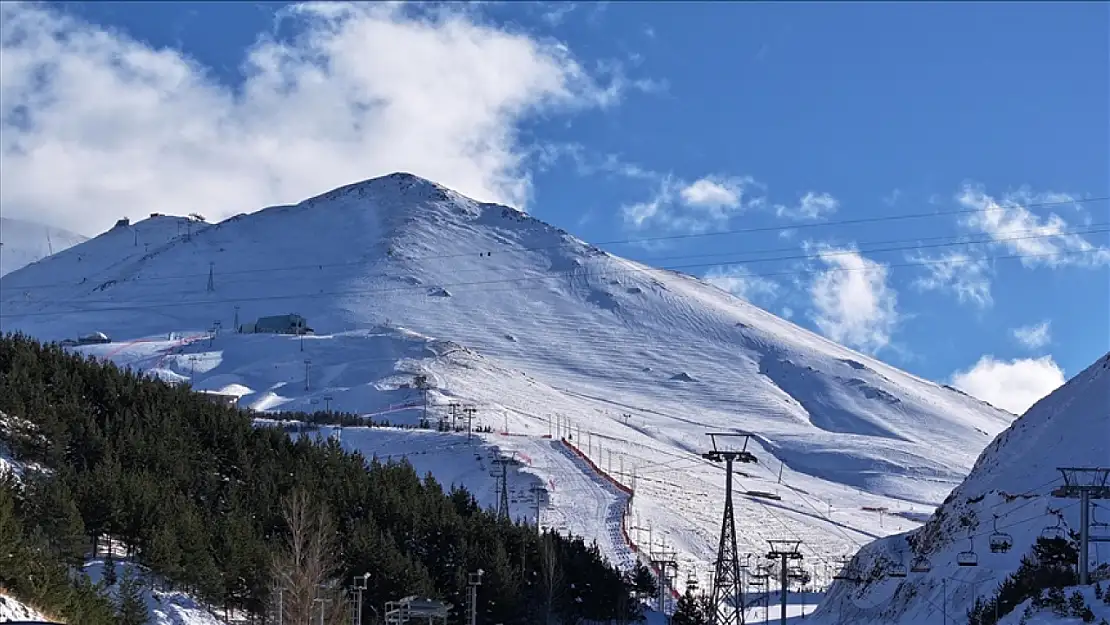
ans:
x=400 y=277
x=1013 y=479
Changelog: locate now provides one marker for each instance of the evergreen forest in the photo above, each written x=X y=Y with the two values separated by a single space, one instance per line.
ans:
x=202 y=501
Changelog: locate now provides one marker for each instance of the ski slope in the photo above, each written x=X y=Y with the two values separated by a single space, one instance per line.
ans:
x=537 y=329
x=1009 y=491
x=24 y=242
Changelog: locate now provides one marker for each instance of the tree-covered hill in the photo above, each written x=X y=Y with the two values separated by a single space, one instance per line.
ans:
x=209 y=504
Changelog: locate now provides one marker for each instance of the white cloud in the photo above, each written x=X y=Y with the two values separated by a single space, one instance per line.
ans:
x=852 y=303
x=712 y=194
x=813 y=205
x=1010 y=225
x=96 y=125
x=739 y=280
x=1034 y=336
x=1015 y=385
x=704 y=205
x=966 y=275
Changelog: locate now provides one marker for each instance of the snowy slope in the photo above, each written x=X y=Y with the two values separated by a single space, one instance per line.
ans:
x=399 y=276
x=12 y=610
x=24 y=242
x=163 y=607
x=1013 y=480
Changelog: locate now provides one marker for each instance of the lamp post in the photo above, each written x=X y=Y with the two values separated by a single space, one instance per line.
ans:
x=360 y=585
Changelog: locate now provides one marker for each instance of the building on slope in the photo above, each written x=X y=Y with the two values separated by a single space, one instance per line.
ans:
x=978 y=537
x=291 y=323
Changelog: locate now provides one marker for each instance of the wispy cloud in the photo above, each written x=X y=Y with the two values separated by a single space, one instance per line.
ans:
x=96 y=125
x=1034 y=336
x=965 y=274
x=739 y=280
x=811 y=206
x=1014 y=385
x=852 y=302
x=1010 y=224
x=704 y=205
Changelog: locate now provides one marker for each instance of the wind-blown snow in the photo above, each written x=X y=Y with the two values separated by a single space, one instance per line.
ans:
x=24 y=242
x=1012 y=480
x=399 y=277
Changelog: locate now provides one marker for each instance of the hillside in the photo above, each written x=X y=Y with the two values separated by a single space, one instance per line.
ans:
x=214 y=508
x=24 y=242
x=399 y=276
x=1012 y=481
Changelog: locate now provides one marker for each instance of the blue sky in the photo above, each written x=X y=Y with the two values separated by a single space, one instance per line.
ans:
x=621 y=121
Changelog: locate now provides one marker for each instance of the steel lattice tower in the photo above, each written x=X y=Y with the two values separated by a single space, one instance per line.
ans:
x=503 y=486
x=728 y=593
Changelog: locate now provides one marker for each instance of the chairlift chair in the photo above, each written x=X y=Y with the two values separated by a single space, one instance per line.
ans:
x=969 y=557
x=921 y=564
x=1000 y=542
x=897 y=571
x=1054 y=532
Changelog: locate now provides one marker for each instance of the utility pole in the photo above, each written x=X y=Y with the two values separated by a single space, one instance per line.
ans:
x=307 y=364
x=473 y=581
x=469 y=410
x=211 y=277
x=784 y=550
x=1085 y=484
x=728 y=592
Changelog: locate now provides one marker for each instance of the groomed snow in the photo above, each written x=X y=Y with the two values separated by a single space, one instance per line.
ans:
x=399 y=277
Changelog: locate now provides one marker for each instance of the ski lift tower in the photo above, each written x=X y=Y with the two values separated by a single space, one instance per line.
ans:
x=728 y=592
x=1085 y=484
x=785 y=551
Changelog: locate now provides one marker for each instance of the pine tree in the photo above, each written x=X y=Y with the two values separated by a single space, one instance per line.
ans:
x=690 y=610
x=643 y=581
x=131 y=609
x=109 y=577
x=1056 y=600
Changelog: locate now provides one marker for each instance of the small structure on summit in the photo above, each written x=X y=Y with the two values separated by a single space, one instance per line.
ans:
x=291 y=323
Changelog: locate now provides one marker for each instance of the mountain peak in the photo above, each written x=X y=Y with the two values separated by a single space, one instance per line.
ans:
x=399 y=185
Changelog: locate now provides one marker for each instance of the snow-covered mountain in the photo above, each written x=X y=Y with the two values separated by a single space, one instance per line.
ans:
x=24 y=242
x=400 y=276
x=1008 y=492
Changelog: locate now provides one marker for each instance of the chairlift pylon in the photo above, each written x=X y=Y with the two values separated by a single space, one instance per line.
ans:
x=969 y=557
x=1000 y=542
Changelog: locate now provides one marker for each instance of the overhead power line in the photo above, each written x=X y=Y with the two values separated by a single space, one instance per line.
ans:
x=141 y=304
